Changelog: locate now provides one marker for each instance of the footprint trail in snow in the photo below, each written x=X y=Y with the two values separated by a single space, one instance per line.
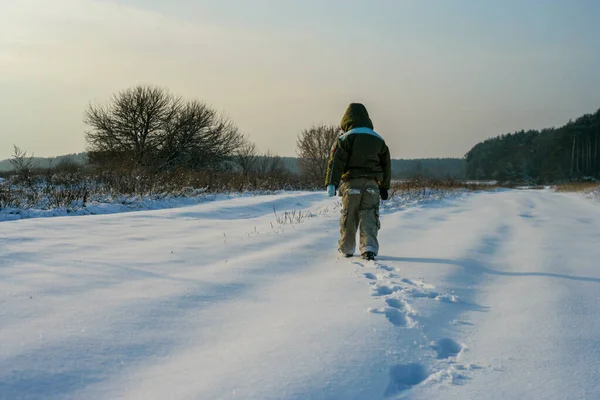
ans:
x=399 y=296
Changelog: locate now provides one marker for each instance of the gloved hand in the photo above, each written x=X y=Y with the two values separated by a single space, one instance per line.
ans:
x=331 y=190
x=384 y=194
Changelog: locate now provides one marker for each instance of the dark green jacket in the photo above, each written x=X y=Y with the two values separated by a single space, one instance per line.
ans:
x=360 y=152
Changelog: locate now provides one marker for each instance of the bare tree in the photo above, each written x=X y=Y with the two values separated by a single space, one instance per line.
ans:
x=149 y=127
x=218 y=142
x=246 y=157
x=133 y=123
x=314 y=147
x=270 y=165
x=23 y=166
x=199 y=138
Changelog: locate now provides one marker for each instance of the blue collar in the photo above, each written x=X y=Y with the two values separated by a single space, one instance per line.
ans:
x=361 y=131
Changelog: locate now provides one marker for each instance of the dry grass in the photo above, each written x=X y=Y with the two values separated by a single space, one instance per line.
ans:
x=577 y=187
x=56 y=188
x=439 y=184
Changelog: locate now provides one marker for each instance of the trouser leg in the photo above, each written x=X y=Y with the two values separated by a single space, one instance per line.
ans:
x=349 y=221
x=369 y=218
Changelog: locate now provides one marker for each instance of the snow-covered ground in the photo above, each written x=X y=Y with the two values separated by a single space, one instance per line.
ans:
x=108 y=204
x=484 y=296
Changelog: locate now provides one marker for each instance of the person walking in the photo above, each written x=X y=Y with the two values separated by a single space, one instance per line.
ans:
x=359 y=168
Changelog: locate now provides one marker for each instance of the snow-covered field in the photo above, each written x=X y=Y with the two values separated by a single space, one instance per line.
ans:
x=483 y=296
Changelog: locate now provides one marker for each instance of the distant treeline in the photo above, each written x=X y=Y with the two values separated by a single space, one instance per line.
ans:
x=568 y=153
x=402 y=169
x=48 y=162
x=439 y=168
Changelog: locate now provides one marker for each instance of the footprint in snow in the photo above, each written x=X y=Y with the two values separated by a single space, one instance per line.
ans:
x=386 y=267
x=404 y=377
x=383 y=290
x=401 y=304
x=370 y=276
x=395 y=303
x=397 y=312
x=395 y=316
x=446 y=348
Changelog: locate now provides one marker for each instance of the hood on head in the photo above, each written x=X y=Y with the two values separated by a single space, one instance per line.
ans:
x=356 y=116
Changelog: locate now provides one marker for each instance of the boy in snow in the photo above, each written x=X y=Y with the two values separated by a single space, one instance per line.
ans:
x=360 y=167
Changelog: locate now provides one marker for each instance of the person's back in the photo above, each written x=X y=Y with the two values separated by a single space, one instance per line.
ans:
x=360 y=167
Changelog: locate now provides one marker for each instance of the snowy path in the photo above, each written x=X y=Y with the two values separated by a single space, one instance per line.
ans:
x=492 y=296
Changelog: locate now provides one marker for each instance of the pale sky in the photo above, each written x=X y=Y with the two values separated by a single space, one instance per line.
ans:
x=436 y=75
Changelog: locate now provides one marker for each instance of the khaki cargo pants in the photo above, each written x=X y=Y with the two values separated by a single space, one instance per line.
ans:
x=360 y=209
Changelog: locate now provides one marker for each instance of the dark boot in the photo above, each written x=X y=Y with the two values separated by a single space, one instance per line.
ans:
x=347 y=255
x=369 y=256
